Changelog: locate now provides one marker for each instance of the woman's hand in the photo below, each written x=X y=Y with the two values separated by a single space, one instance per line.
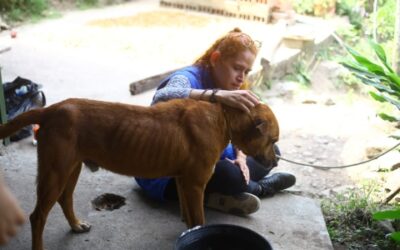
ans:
x=11 y=215
x=242 y=99
x=241 y=163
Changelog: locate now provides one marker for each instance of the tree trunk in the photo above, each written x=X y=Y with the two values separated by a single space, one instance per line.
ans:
x=396 y=52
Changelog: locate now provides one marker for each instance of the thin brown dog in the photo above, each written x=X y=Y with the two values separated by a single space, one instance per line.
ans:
x=180 y=138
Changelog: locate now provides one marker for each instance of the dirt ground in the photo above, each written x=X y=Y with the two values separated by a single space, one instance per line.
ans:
x=328 y=124
x=97 y=53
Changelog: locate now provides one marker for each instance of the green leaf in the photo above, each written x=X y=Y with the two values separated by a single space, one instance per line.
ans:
x=377 y=97
x=387 y=214
x=395 y=236
x=395 y=137
x=373 y=67
x=392 y=101
x=381 y=55
x=356 y=67
x=387 y=117
x=378 y=50
x=376 y=83
x=384 y=98
x=394 y=78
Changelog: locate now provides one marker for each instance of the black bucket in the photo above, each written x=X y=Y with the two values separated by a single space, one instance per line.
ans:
x=221 y=237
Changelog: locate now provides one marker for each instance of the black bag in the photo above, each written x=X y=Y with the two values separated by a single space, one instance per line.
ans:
x=22 y=95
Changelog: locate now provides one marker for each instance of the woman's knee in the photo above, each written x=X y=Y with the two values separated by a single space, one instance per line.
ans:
x=227 y=179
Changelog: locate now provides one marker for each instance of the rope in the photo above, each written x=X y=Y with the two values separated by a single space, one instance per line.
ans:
x=340 y=166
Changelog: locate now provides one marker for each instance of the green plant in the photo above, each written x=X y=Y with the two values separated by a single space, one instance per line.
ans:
x=19 y=10
x=37 y=7
x=386 y=215
x=383 y=78
x=349 y=219
x=351 y=8
x=86 y=3
x=300 y=73
x=22 y=10
x=314 y=7
x=303 y=7
x=348 y=80
x=32 y=6
x=385 y=20
x=377 y=75
x=343 y=7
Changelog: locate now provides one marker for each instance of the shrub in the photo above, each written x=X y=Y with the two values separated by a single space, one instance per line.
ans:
x=387 y=84
x=18 y=10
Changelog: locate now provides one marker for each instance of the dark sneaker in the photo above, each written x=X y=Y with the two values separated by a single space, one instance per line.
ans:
x=239 y=204
x=275 y=183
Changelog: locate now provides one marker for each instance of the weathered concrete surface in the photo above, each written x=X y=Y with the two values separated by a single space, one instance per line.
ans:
x=72 y=59
x=287 y=221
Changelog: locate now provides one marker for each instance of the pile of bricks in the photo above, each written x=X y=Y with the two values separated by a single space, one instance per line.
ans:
x=256 y=10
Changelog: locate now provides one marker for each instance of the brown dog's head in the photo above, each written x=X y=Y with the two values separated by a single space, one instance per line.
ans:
x=257 y=134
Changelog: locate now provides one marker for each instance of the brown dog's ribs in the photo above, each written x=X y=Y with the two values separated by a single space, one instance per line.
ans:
x=182 y=138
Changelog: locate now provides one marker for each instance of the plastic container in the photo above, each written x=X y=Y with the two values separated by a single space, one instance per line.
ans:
x=221 y=237
x=21 y=90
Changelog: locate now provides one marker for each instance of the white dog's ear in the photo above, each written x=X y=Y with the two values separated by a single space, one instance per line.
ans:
x=262 y=126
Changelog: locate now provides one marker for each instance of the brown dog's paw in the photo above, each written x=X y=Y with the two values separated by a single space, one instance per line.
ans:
x=81 y=227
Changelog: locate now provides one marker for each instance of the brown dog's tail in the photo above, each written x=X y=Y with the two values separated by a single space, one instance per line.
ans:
x=33 y=116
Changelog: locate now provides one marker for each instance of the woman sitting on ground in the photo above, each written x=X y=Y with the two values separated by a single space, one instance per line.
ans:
x=219 y=76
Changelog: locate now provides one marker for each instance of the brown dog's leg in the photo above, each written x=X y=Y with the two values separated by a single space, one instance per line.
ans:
x=66 y=202
x=49 y=188
x=192 y=196
x=182 y=200
x=56 y=162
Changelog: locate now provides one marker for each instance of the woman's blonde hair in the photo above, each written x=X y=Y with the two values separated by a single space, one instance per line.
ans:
x=229 y=46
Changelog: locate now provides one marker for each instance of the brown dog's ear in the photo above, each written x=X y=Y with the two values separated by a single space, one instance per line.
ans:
x=261 y=126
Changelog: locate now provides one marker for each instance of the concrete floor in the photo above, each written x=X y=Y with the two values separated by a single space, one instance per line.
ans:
x=72 y=69
x=286 y=221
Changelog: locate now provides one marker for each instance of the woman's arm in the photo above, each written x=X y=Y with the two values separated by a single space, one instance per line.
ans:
x=177 y=87
x=241 y=99
x=241 y=162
